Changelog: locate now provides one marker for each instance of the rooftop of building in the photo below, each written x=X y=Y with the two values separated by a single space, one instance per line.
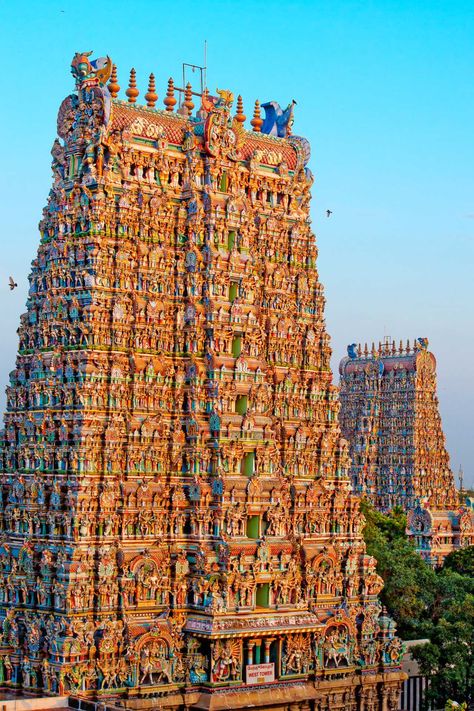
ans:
x=386 y=357
x=153 y=123
x=270 y=140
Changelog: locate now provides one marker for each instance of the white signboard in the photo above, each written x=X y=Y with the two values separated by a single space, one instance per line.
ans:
x=260 y=673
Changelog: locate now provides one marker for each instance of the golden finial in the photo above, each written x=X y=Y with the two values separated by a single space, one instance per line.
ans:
x=400 y=348
x=408 y=345
x=240 y=116
x=188 y=99
x=366 y=350
x=373 y=348
x=132 y=91
x=257 y=121
x=359 y=350
x=113 y=84
x=151 y=96
x=169 y=100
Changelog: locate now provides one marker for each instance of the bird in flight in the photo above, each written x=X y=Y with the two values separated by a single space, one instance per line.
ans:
x=328 y=213
x=12 y=283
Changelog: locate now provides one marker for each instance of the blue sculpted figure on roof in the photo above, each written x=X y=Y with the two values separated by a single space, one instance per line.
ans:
x=278 y=122
x=352 y=350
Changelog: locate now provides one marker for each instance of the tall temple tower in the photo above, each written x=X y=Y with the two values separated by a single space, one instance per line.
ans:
x=177 y=516
x=390 y=416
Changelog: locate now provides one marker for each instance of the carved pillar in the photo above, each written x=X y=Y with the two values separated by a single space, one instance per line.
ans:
x=251 y=645
x=266 y=649
x=393 y=698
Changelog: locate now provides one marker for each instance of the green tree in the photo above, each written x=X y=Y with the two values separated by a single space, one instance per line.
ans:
x=410 y=583
x=428 y=603
x=448 y=660
x=461 y=561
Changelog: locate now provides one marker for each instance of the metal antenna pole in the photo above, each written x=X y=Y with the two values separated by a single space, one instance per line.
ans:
x=193 y=68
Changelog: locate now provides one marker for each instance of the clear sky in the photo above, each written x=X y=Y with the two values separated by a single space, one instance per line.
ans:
x=385 y=95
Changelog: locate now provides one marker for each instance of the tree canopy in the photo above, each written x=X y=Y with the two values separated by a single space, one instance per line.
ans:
x=427 y=603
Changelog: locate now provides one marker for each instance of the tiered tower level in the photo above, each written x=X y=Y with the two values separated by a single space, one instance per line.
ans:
x=176 y=510
x=390 y=416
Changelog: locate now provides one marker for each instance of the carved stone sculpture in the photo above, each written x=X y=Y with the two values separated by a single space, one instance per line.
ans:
x=175 y=509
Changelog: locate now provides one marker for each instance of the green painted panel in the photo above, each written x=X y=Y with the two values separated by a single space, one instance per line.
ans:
x=248 y=464
x=241 y=405
x=263 y=595
x=253 y=526
x=236 y=346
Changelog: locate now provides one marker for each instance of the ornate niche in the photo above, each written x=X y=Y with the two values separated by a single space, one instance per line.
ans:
x=296 y=655
x=145 y=583
x=419 y=523
x=155 y=665
x=324 y=575
x=336 y=647
x=157 y=656
x=226 y=662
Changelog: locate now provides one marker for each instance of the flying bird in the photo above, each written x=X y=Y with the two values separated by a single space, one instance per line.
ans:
x=12 y=283
x=328 y=213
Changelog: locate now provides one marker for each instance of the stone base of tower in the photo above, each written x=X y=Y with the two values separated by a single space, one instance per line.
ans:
x=376 y=692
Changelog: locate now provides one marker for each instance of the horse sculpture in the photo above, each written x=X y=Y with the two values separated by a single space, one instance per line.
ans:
x=154 y=663
x=337 y=649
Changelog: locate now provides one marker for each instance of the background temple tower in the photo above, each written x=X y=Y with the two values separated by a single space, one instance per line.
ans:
x=390 y=416
x=177 y=516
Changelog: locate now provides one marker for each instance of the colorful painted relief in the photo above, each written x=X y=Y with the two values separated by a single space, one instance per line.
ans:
x=175 y=505
x=390 y=417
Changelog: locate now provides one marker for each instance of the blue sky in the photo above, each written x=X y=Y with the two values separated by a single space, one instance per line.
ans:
x=385 y=95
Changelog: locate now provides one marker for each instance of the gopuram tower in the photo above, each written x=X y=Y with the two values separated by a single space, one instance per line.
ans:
x=390 y=417
x=177 y=519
